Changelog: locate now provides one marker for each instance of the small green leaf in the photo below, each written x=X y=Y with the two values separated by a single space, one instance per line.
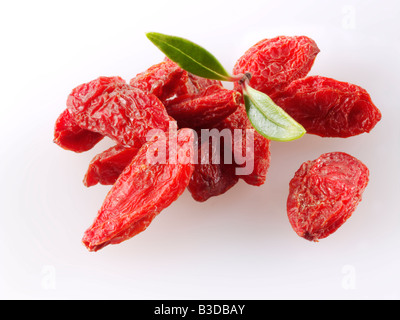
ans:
x=268 y=119
x=189 y=56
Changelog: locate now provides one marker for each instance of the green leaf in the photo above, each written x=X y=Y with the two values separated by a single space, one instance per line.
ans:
x=189 y=56
x=268 y=119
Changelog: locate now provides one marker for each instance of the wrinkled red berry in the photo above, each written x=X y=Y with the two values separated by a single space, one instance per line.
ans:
x=329 y=108
x=163 y=80
x=125 y=115
x=212 y=175
x=206 y=109
x=324 y=193
x=70 y=136
x=141 y=192
x=106 y=167
x=275 y=63
x=170 y=83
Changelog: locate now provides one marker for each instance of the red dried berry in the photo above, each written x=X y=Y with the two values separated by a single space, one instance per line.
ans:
x=170 y=83
x=206 y=109
x=211 y=180
x=163 y=80
x=69 y=136
x=141 y=192
x=329 y=108
x=212 y=175
x=324 y=193
x=82 y=96
x=189 y=87
x=191 y=100
x=275 y=63
x=200 y=83
x=106 y=167
x=125 y=115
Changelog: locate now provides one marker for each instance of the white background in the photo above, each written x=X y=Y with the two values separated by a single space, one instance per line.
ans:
x=236 y=246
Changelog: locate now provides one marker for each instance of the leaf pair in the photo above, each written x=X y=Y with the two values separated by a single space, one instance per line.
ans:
x=267 y=118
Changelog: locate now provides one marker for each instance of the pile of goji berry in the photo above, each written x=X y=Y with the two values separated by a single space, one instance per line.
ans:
x=323 y=193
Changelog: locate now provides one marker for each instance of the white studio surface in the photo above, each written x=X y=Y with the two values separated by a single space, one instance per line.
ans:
x=236 y=246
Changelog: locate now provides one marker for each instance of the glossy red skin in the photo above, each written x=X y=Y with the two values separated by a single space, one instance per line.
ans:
x=324 y=193
x=106 y=167
x=261 y=152
x=140 y=193
x=211 y=179
x=70 y=136
x=275 y=63
x=206 y=109
x=124 y=115
x=329 y=108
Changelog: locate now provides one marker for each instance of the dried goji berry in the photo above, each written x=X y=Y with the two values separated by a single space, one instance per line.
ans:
x=141 y=192
x=211 y=178
x=124 y=115
x=83 y=95
x=70 y=136
x=162 y=80
x=324 y=193
x=204 y=110
x=329 y=108
x=170 y=83
x=106 y=167
x=200 y=83
x=275 y=63
x=189 y=86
